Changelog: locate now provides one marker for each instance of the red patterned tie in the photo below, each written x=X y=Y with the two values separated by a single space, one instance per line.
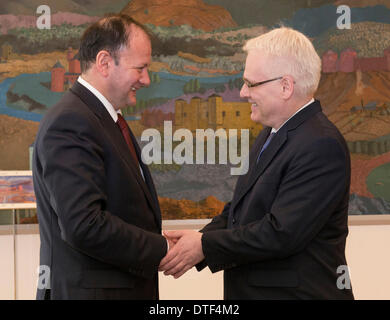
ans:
x=126 y=134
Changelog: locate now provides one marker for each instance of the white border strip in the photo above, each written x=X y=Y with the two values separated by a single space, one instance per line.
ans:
x=6 y=173
x=184 y=224
x=197 y=224
x=27 y=205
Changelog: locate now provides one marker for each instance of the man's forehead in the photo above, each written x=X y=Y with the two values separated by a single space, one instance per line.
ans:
x=137 y=40
x=136 y=32
x=256 y=58
x=255 y=65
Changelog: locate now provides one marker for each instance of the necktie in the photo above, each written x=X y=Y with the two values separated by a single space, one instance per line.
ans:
x=265 y=145
x=126 y=134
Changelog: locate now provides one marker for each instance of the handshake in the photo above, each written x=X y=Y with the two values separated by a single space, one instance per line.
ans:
x=185 y=251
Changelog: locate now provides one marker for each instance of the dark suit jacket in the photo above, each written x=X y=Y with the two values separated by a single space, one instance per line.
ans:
x=283 y=234
x=99 y=220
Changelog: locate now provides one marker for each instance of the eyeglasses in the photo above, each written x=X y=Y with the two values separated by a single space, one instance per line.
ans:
x=251 y=85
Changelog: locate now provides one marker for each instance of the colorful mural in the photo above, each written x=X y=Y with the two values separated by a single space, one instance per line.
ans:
x=196 y=75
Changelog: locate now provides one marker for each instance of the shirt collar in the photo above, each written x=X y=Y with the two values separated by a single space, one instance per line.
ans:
x=113 y=113
x=307 y=104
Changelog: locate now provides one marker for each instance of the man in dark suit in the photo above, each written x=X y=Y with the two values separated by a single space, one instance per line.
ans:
x=99 y=217
x=283 y=234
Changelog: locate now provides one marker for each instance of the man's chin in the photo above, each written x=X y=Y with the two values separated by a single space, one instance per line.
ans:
x=131 y=102
x=131 y=99
x=255 y=118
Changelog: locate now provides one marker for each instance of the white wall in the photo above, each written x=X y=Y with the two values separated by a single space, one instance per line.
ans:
x=367 y=253
x=27 y=262
x=368 y=257
x=193 y=285
x=6 y=267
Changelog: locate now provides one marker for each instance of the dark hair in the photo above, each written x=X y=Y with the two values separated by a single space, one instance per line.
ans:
x=109 y=33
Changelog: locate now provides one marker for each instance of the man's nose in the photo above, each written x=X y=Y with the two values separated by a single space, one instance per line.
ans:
x=145 y=79
x=244 y=92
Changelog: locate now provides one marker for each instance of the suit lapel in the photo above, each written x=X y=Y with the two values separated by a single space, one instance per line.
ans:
x=268 y=154
x=115 y=135
x=245 y=183
x=257 y=169
x=148 y=182
x=254 y=152
x=123 y=149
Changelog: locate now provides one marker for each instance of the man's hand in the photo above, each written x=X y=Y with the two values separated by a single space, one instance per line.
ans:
x=186 y=252
x=171 y=241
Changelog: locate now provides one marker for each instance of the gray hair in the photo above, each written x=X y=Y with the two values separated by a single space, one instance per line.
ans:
x=292 y=53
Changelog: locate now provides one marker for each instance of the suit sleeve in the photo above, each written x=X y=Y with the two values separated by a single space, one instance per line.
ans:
x=310 y=191
x=219 y=222
x=73 y=169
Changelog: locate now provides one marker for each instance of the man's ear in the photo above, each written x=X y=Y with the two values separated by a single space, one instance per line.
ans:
x=104 y=62
x=288 y=84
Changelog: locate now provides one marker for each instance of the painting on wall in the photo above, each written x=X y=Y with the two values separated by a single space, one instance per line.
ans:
x=196 y=76
x=17 y=198
x=16 y=188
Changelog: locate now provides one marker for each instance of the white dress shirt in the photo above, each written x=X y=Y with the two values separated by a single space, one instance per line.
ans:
x=113 y=113
x=310 y=102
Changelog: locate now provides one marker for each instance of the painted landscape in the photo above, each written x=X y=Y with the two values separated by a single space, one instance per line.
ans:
x=16 y=189
x=198 y=57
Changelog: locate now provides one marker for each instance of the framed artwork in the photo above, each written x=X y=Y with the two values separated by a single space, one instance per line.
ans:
x=17 y=198
x=16 y=189
x=196 y=76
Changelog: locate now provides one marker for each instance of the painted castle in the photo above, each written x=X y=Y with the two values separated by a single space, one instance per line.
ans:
x=6 y=52
x=349 y=62
x=62 y=80
x=214 y=113
x=156 y=118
